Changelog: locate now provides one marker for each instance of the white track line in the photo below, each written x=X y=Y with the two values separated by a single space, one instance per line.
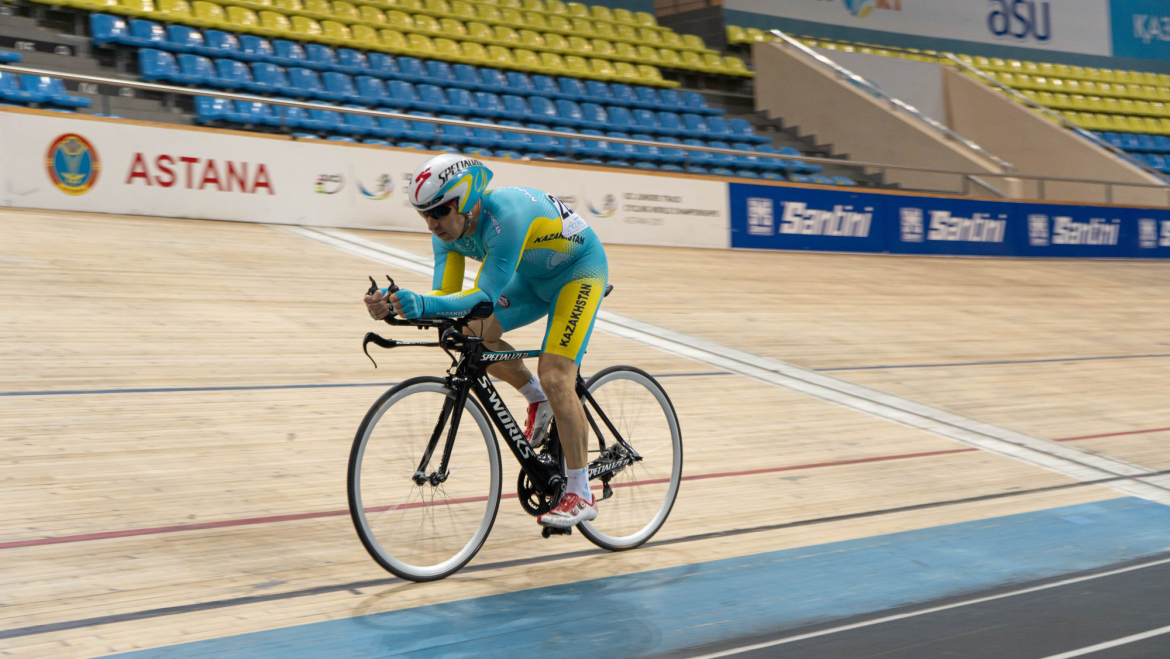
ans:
x=955 y=605
x=1066 y=460
x=1111 y=644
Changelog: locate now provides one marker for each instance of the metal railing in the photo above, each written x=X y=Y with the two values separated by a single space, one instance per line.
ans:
x=1088 y=135
x=894 y=102
x=964 y=178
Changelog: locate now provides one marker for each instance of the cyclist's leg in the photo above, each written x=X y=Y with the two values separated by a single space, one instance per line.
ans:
x=517 y=306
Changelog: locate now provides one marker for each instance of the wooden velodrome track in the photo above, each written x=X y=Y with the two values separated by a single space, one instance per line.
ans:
x=179 y=398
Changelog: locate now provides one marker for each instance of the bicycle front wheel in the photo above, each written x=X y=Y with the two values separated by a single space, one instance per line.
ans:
x=642 y=492
x=426 y=525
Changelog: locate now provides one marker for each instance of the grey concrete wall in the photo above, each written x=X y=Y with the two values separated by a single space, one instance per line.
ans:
x=806 y=94
x=918 y=83
x=1038 y=146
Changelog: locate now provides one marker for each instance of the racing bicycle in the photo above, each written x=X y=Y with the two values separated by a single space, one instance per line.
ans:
x=425 y=475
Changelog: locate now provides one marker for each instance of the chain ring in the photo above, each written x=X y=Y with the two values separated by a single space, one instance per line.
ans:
x=536 y=503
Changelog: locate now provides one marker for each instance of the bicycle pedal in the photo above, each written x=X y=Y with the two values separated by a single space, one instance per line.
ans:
x=549 y=531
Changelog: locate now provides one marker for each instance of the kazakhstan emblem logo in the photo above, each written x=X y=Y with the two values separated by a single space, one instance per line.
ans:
x=606 y=208
x=73 y=164
x=859 y=8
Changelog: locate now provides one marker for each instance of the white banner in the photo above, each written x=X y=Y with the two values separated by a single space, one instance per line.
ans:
x=73 y=163
x=1075 y=26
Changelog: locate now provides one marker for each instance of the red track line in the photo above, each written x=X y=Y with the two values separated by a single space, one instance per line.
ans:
x=337 y=513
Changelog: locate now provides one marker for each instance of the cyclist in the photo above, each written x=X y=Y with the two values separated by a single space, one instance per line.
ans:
x=539 y=258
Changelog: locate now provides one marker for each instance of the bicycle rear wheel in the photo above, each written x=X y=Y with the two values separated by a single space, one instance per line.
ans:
x=426 y=531
x=644 y=491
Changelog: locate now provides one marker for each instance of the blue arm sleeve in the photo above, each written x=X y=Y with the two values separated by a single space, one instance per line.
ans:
x=503 y=255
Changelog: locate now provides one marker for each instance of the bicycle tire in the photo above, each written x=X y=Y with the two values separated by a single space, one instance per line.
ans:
x=639 y=477
x=400 y=453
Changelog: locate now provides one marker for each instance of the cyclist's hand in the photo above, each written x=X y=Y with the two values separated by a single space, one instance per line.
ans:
x=407 y=304
x=378 y=305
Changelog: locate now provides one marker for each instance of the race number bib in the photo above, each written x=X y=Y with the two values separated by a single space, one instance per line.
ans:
x=571 y=223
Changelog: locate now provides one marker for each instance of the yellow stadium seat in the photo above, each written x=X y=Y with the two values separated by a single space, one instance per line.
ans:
x=88 y=5
x=669 y=58
x=693 y=42
x=1088 y=103
x=602 y=48
x=650 y=75
x=578 y=9
x=428 y=24
x=602 y=69
x=421 y=45
x=365 y=37
x=526 y=60
x=447 y=49
x=208 y=15
x=452 y=28
x=175 y=11
x=552 y=63
x=140 y=8
x=412 y=6
x=287 y=6
x=607 y=31
x=464 y=11
x=650 y=37
x=500 y=56
x=626 y=33
x=691 y=60
x=714 y=63
x=504 y=34
x=437 y=7
x=556 y=7
x=558 y=23
x=1144 y=108
x=393 y=41
x=736 y=34
x=670 y=40
x=580 y=46
x=625 y=51
x=370 y=14
x=241 y=19
x=577 y=67
x=1164 y=125
x=487 y=13
x=275 y=25
x=532 y=39
x=557 y=42
x=532 y=5
x=1126 y=106
x=479 y=32
x=305 y=28
x=601 y=13
x=625 y=72
x=583 y=27
x=645 y=19
x=624 y=16
x=535 y=20
x=735 y=66
x=1121 y=77
x=318 y=9
x=473 y=53
x=346 y=11
x=512 y=16
x=400 y=20
x=509 y=4
x=335 y=33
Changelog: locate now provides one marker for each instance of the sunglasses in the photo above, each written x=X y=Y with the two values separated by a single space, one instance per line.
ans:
x=439 y=212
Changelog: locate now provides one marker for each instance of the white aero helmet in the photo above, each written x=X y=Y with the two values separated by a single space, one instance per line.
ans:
x=446 y=177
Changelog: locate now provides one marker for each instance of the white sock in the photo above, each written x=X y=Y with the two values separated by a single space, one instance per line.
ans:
x=579 y=482
x=532 y=391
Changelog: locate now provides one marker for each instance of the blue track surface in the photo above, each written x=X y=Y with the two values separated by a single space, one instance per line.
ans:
x=676 y=608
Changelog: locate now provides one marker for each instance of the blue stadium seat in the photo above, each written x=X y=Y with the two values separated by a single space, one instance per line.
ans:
x=487 y=137
x=545 y=86
x=270 y=78
x=256 y=49
x=52 y=90
x=377 y=142
x=645 y=164
x=594 y=116
x=516 y=108
x=646 y=98
x=521 y=142
x=671 y=168
x=569 y=113
x=306 y=83
x=320 y=57
x=695 y=126
x=573 y=145
x=800 y=166
x=618 y=163
x=622 y=151
x=1163 y=143
x=431 y=97
x=467 y=76
x=671 y=123
x=353 y=62
x=572 y=89
x=622 y=95
x=478 y=152
x=820 y=179
x=357 y=124
x=157 y=65
x=722 y=159
x=699 y=158
x=195 y=70
x=411 y=69
x=599 y=92
x=447 y=149
x=643 y=153
x=183 y=39
x=494 y=81
x=339 y=87
x=697 y=104
x=9 y=57
x=411 y=145
x=677 y=156
x=771 y=176
x=108 y=29
x=439 y=73
x=671 y=100
x=148 y=34
x=1157 y=161
x=520 y=83
x=746 y=173
x=454 y=135
x=231 y=74
x=255 y=114
x=596 y=148
x=510 y=155
x=382 y=65
x=747 y=162
x=1146 y=143
x=697 y=169
x=341 y=138
x=217 y=43
x=290 y=117
x=843 y=180
x=324 y=120
x=546 y=143
x=422 y=131
x=646 y=122
x=460 y=101
x=798 y=178
x=371 y=89
x=288 y=53
x=718 y=128
x=743 y=131
x=488 y=104
x=722 y=171
x=770 y=164
x=392 y=128
x=543 y=110
x=209 y=110
x=401 y=95
x=620 y=118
